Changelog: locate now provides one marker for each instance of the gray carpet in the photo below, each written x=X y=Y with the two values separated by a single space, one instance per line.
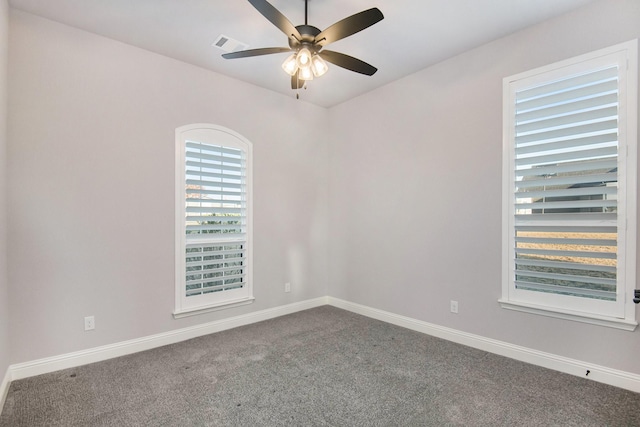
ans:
x=320 y=367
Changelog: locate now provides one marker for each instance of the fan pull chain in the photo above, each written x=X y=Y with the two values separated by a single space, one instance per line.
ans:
x=304 y=86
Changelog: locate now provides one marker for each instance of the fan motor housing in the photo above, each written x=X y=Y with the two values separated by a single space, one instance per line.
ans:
x=308 y=33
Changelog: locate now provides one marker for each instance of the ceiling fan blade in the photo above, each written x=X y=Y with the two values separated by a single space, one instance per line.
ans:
x=276 y=18
x=349 y=26
x=296 y=82
x=348 y=62
x=255 y=52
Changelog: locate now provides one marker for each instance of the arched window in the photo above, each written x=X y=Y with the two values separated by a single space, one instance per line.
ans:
x=213 y=219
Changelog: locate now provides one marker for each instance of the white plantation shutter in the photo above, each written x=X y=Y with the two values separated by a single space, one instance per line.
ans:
x=215 y=197
x=567 y=199
x=215 y=207
x=214 y=267
x=566 y=151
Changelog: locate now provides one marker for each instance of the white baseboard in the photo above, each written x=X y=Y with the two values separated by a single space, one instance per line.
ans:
x=579 y=368
x=97 y=354
x=4 y=388
x=601 y=374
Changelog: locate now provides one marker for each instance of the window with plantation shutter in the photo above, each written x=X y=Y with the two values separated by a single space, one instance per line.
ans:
x=213 y=220
x=570 y=188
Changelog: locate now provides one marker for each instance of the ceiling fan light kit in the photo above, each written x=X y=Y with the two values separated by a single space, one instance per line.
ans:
x=307 y=43
x=308 y=65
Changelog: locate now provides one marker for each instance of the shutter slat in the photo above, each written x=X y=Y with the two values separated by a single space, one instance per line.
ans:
x=567 y=192
x=566 y=277
x=565 y=265
x=568 y=119
x=573 y=254
x=598 y=89
x=212 y=210
x=568 y=228
x=224 y=176
x=574 y=204
x=226 y=192
x=584 y=219
x=563 y=85
x=567 y=290
x=587 y=154
x=191 y=264
x=572 y=145
x=216 y=230
x=209 y=148
x=221 y=271
x=199 y=163
x=226 y=251
x=567 y=241
x=207 y=184
x=584 y=142
x=217 y=288
x=196 y=276
x=594 y=180
x=210 y=219
x=602 y=101
x=544 y=134
x=606 y=164
x=226 y=281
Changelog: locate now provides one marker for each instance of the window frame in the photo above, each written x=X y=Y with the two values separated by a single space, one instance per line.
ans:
x=222 y=137
x=548 y=305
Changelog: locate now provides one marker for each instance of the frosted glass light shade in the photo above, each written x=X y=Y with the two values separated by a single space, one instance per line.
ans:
x=304 y=57
x=306 y=73
x=290 y=65
x=318 y=66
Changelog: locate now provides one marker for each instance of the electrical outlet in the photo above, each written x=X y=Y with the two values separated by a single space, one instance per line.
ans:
x=89 y=323
x=454 y=306
x=287 y=287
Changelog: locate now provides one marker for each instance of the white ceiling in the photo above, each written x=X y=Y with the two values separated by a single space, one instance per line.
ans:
x=413 y=35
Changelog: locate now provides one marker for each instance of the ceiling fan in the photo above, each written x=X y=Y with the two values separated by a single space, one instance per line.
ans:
x=307 y=43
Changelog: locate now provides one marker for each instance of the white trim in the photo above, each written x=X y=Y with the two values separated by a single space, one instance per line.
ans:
x=98 y=354
x=209 y=308
x=631 y=175
x=4 y=387
x=614 y=377
x=611 y=322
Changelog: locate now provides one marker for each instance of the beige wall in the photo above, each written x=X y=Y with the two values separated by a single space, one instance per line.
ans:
x=91 y=195
x=396 y=206
x=416 y=190
x=4 y=295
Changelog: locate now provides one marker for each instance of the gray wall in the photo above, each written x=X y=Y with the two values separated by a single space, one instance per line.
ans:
x=91 y=187
x=416 y=188
x=408 y=177
x=4 y=296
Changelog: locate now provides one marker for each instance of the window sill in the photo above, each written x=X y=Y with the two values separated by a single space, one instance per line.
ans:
x=179 y=314
x=610 y=322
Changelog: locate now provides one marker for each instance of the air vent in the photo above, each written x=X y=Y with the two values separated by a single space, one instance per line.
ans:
x=228 y=44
